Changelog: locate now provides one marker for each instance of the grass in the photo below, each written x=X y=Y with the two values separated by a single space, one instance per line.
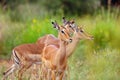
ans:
x=92 y=60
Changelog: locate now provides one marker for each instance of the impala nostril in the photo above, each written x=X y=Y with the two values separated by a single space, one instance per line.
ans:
x=70 y=40
x=92 y=37
x=63 y=18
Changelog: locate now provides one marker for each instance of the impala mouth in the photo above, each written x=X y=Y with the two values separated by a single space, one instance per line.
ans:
x=70 y=40
x=91 y=38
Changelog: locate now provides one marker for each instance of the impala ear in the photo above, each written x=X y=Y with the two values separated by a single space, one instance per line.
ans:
x=55 y=25
x=77 y=29
x=72 y=21
x=64 y=21
x=82 y=26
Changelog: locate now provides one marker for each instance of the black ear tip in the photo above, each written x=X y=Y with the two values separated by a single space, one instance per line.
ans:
x=52 y=22
x=3 y=73
x=63 y=17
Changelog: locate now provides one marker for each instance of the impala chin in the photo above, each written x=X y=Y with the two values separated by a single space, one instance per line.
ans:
x=57 y=78
x=70 y=40
x=90 y=38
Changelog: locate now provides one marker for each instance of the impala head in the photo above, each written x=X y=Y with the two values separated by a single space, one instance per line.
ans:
x=62 y=32
x=72 y=27
x=69 y=25
x=81 y=34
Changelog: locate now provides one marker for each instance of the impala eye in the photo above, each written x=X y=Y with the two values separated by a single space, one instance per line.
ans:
x=73 y=25
x=70 y=26
x=81 y=31
x=62 y=31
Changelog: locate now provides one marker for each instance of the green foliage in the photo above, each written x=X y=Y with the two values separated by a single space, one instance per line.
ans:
x=104 y=33
x=103 y=66
x=71 y=7
x=27 y=33
x=97 y=59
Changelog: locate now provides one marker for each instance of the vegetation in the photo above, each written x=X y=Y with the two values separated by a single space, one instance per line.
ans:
x=92 y=60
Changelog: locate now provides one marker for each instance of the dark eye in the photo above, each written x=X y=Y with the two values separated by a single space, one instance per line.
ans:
x=81 y=30
x=62 y=31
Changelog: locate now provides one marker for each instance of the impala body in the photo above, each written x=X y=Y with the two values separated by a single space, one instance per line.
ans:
x=54 y=58
x=23 y=56
x=26 y=55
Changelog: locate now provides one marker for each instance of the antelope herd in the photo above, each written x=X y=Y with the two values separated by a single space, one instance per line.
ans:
x=49 y=52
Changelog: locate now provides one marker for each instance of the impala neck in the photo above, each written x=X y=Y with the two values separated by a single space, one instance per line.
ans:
x=61 y=53
x=72 y=46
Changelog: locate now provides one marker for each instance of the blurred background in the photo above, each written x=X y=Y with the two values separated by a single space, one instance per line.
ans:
x=24 y=21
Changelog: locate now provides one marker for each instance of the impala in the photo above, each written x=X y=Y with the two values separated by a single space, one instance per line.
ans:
x=54 y=58
x=23 y=56
x=46 y=40
x=79 y=33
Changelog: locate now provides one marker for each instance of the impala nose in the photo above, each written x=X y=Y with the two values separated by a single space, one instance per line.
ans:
x=92 y=37
x=70 y=40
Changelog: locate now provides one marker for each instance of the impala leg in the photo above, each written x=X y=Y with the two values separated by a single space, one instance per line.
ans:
x=37 y=68
x=22 y=70
x=40 y=71
x=66 y=75
x=53 y=75
x=35 y=72
x=44 y=72
x=61 y=76
x=48 y=74
x=12 y=77
x=9 y=71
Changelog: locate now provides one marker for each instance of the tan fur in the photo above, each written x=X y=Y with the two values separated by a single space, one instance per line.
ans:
x=30 y=53
x=55 y=58
x=34 y=51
